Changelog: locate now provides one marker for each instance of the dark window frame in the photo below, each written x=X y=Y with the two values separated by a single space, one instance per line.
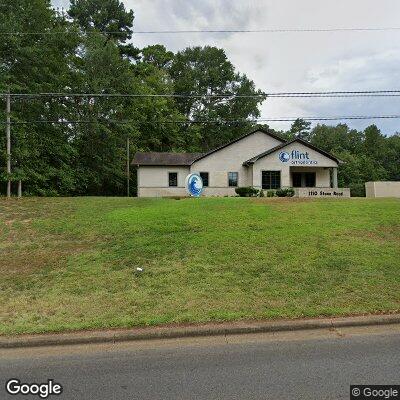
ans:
x=206 y=182
x=274 y=180
x=169 y=179
x=229 y=179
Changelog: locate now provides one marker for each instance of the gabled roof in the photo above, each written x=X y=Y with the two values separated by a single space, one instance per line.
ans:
x=164 y=159
x=187 y=159
x=281 y=146
x=267 y=132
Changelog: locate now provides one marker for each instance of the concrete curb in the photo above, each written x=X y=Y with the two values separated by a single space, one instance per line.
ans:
x=211 y=329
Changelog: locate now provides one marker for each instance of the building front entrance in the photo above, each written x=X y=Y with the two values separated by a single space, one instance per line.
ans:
x=303 y=179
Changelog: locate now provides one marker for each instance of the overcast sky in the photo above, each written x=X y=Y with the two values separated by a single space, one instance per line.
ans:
x=292 y=61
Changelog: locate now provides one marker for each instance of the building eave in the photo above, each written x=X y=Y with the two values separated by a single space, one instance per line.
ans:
x=283 y=145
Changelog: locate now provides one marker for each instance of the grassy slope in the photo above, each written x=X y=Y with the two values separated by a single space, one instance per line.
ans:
x=70 y=263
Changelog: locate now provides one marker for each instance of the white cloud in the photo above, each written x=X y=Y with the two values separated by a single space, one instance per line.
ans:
x=291 y=61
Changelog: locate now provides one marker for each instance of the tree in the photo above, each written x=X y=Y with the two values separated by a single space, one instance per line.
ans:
x=158 y=56
x=41 y=152
x=392 y=159
x=207 y=71
x=108 y=17
x=300 y=129
x=375 y=143
x=336 y=138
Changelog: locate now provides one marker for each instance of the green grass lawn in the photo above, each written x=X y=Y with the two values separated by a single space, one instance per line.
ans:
x=70 y=263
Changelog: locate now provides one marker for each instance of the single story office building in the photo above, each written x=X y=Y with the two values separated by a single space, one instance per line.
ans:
x=260 y=159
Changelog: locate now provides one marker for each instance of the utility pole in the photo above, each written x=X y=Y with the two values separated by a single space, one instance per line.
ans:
x=128 y=172
x=8 y=136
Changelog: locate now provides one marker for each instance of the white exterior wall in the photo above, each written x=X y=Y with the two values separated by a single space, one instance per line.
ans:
x=153 y=181
x=271 y=162
x=382 y=189
x=231 y=159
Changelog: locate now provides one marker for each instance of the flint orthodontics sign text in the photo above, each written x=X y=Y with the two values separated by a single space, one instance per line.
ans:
x=296 y=158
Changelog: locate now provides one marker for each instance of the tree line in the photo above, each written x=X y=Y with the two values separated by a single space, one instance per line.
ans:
x=65 y=145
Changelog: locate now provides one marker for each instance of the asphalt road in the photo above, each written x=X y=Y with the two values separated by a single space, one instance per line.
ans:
x=295 y=365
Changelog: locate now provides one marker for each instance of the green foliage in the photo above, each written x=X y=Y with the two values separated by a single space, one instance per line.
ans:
x=207 y=70
x=300 y=129
x=108 y=17
x=247 y=191
x=271 y=193
x=285 y=192
x=357 y=189
x=261 y=193
x=93 y=54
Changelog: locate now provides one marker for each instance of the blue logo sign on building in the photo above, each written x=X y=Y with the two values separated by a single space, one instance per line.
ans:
x=194 y=185
x=284 y=157
x=297 y=158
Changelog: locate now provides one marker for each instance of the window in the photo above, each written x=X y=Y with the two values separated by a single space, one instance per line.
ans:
x=233 y=178
x=271 y=179
x=310 y=179
x=173 y=179
x=204 y=177
x=297 y=179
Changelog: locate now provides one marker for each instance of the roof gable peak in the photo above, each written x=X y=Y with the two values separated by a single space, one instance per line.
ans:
x=283 y=145
x=265 y=131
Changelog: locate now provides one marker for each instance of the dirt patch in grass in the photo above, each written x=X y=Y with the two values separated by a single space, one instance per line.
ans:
x=381 y=233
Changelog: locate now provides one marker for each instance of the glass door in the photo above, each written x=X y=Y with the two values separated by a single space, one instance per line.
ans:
x=296 y=178
x=310 y=178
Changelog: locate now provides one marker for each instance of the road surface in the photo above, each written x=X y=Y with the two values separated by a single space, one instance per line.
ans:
x=318 y=364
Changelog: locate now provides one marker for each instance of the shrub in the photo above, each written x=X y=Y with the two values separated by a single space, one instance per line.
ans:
x=357 y=190
x=261 y=193
x=271 y=193
x=246 y=191
x=287 y=192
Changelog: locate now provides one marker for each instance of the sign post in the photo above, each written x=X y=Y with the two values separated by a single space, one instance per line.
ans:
x=8 y=140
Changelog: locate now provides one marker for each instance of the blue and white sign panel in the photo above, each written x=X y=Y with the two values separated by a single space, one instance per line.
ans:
x=296 y=157
x=194 y=185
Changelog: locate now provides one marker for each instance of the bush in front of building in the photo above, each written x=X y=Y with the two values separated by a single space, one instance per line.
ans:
x=286 y=192
x=247 y=191
x=271 y=193
x=261 y=194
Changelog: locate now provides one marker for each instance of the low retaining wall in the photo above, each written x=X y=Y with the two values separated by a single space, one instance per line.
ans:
x=322 y=192
x=382 y=189
x=162 y=192
x=181 y=192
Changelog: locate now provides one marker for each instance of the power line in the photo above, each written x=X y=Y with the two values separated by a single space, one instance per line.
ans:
x=182 y=122
x=365 y=93
x=190 y=31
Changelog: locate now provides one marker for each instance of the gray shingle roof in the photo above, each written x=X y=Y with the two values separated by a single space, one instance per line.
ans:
x=186 y=159
x=161 y=159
